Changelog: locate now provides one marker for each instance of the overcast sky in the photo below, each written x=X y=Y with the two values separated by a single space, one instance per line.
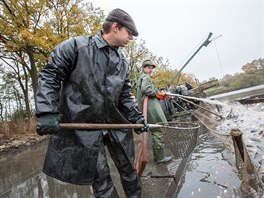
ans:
x=175 y=29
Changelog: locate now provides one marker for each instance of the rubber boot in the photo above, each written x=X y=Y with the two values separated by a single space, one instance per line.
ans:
x=165 y=160
x=159 y=153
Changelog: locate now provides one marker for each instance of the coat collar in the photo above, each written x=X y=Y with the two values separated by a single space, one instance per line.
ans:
x=100 y=42
x=143 y=75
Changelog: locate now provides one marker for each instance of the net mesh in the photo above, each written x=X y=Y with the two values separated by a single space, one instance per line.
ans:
x=251 y=184
x=181 y=137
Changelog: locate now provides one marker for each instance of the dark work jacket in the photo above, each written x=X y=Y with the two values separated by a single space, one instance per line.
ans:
x=85 y=81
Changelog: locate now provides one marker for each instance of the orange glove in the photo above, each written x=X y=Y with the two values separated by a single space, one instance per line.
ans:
x=161 y=96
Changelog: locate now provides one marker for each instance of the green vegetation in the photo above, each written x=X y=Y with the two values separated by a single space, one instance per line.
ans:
x=252 y=74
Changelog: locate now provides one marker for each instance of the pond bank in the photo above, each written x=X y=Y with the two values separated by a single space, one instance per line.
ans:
x=19 y=142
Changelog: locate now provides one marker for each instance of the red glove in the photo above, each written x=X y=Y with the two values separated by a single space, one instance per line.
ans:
x=161 y=96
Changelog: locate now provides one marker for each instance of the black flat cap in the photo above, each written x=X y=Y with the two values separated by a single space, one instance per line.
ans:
x=122 y=18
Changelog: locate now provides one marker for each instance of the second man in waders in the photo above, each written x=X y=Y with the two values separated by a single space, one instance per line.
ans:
x=154 y=111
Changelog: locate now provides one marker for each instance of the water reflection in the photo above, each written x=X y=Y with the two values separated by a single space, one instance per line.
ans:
x=44 y=186
x=21 y=176
x=239 y=93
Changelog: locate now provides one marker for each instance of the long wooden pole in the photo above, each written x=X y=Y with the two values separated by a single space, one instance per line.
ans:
x=99 y=126
x=106 y=126
x=189 y=97
x=200 y=107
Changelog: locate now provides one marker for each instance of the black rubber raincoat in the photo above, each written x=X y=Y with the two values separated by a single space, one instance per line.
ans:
x=85 y=81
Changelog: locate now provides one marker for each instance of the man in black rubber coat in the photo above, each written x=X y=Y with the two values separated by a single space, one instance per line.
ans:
x=86 y=80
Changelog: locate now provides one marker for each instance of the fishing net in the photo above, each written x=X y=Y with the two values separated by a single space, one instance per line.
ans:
x=251 y=185
x=181 y=137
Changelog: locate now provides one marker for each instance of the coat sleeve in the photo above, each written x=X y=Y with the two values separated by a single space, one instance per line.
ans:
x=127 y=102
x=59 y=66
x=147 y=87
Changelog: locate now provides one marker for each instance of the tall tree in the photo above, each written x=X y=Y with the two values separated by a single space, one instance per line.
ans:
x=34 y=27
x=12 y=71
x=249 y=68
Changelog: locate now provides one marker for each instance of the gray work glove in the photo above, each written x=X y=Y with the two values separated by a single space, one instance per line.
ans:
x=141 y=120
x=48 y=124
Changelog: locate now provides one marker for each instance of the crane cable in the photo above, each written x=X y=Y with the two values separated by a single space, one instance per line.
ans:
x=217 y=52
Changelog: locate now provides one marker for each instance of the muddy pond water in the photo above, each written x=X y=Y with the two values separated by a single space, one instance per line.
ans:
x=210 y=172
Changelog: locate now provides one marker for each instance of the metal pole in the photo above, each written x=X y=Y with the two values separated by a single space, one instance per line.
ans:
x=205 y=43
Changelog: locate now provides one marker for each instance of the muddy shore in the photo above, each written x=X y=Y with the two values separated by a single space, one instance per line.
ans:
x=20 y=142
